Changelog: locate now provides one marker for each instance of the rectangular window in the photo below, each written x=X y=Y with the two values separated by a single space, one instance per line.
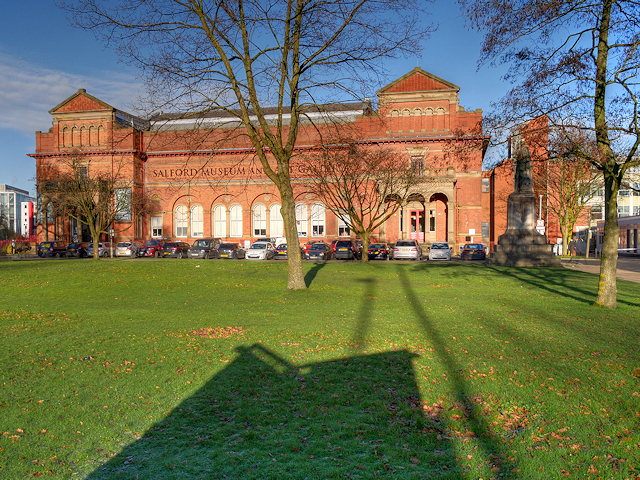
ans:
x=122 y=205
x=623 y=192
x=156 y=226
x=485 y=229
x=623 y=211
x=343 y=228
x=432 y=220
x=416 y=165
x=485 y=185
x=596 y=213
x=636 y=210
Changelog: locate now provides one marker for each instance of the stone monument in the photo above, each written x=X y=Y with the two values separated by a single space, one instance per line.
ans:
x=521 y=245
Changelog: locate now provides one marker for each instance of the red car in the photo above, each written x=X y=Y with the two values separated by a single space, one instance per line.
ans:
x=151 y=248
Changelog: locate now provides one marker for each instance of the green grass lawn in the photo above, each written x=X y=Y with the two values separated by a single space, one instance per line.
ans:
x=181 y=369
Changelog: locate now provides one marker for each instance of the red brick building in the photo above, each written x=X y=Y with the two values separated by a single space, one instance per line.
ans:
x=201 y=177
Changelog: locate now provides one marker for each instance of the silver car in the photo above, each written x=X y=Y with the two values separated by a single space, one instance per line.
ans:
x=440 y=251
x=407 y=249
x=127 y=249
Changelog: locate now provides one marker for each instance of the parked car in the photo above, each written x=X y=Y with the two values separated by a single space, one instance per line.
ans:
x=407 y=249
x=151 y=248
x=333 y=245
x=308 y=245
x=267 y=240
x=52 y=249
x=281 y=252
x=230 y=250
x=127 y=249
x=204 y=248
x=347 y=249
x=379 y=251
x=319 y=251
x=104 y=249
x=440 y=251
x=473 y=251
x=260 y=251
x=77 y=250
x=175 y=249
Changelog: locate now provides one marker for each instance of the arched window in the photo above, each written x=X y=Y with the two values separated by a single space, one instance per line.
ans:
x=276 y=226
x=220 y=221
x=301 y=219
x=235 y=221
x=180 y=220
x=197 y=221
x=259 y=220
x=317 y=220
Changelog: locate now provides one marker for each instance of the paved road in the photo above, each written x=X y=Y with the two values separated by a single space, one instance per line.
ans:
x=628 y=266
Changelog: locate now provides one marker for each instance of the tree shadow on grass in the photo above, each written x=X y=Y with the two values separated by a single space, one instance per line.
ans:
x=562 y=281
x=478 y=427
x=262 y=417
x=311 y=274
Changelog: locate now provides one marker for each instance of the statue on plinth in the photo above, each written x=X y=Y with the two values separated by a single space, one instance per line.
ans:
x=521 y=245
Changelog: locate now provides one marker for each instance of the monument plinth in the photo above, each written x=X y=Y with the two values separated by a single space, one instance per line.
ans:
x=521 y=245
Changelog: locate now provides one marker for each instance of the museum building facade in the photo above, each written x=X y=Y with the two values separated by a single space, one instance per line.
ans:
x=197 y=175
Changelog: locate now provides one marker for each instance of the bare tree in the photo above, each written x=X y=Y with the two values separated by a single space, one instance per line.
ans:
x=364 y=185
x=568 y=178
x=97 y=198
x=238 y=57
x=577 y=62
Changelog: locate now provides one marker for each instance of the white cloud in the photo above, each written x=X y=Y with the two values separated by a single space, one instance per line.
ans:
x=28 y=92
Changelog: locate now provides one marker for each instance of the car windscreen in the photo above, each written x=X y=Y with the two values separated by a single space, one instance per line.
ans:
x=201 y=243
x=282 y=247
x=318 y=247
x=151 y=243
x=124 y=244
x=227 y=246
x=343 y=244
x=258 y=246
x=405 y=243
x=439 y=246
x=376 y=246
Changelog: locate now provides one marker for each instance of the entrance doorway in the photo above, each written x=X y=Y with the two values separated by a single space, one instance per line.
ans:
x=417 y=225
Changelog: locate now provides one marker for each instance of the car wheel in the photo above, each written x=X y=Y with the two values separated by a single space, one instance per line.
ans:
x=207 y=256
x=57 y=254
x=179 y=254
x=156 y=254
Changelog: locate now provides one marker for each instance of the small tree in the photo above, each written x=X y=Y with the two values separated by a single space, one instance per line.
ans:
x=568 y=178
x=364 y=186
x=93 y=200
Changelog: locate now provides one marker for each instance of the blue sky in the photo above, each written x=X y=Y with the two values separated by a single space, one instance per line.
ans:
x=43 y=60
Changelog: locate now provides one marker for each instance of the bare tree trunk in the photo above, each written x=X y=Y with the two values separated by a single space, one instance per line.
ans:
x=93 y=227
x=294 y=262
x=607 y=287
x=365 y=246
x=565 y=239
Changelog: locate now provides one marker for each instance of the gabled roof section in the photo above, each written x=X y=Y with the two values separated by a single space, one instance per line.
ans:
x=81 y=101
x=417 y=80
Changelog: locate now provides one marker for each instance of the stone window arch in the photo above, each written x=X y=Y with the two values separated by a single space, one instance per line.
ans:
x=197 y=221
x=259 y=218
x=181 y=221
x=235 y=221
x=220 y=221
x=276 y=224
